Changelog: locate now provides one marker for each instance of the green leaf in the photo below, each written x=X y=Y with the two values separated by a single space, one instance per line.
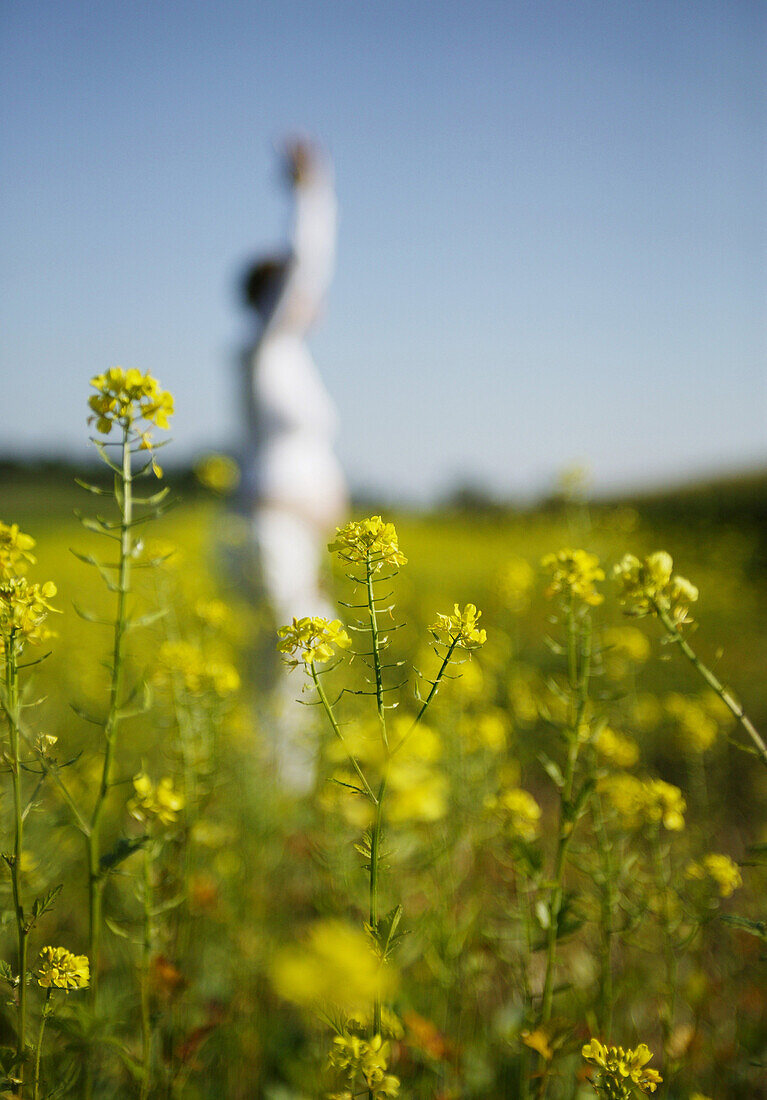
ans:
x=385 y=933
x=44 y=902
x=757 y=928
x=93 y=488
x=6 y=974
x=148 y=619
x=123 y=849
x=89 y=617
x=552 y=770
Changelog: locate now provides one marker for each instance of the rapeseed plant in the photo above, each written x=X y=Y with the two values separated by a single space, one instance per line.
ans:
x=409 y=787
x=534 y=915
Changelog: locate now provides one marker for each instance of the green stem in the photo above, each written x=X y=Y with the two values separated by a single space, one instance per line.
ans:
x=146 y=961
x=375 y=856
x=579 y=682
x=38 y=1050
x=433 y=691
x=715 y=684
x=376 y=650
x=93 y=839
x=663 y=884
x=607 y=906
x=375 y=839
x=12 y=692
x=337 y=730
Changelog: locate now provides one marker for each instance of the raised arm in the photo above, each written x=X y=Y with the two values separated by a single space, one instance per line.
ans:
x=313 y=244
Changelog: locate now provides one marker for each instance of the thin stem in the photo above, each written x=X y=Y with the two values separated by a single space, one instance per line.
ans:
x=607 y=905
x=146 y=960
x=375 y=855
x=433 y=691
x=375 y=649
x=38 y=1050
x=663 y=884
x=375 y=839
x=93 y=840
x=579 y=682
x=337 y=730
x=12 y=693
x=715 y=684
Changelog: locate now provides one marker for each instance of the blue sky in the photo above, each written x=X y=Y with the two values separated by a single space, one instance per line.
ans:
x=552 y=246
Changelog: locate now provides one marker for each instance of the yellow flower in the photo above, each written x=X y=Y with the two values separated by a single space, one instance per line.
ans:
x=370 y=541
x=365 y=1058
x=697 y=729
x=538 y=1040
x=515 y=582
x=619 y=1070
x=574 y=574
x=312 y=640
x=220 y=473
x=60 y=969
x=126 y=397
x=185 y=663
x=155 y=803
x=24 y=607
x=460 y=629
x=336 y=966
x=642 y=802
x=616 y=748
x=651 y=586
x=723 y=871
x=417 y=792
x=214 y=613
x=622 y=646
x=15 y=549
x=519 y=811
x=488 y=730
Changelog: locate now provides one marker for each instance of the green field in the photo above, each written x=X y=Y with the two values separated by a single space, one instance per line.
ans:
x=245 y=870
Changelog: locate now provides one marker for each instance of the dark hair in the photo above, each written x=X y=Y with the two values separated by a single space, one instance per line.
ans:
x=262 y=282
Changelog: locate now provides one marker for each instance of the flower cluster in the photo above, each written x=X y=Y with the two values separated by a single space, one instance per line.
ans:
x=184 y=662
x=697 y=728
x=24 y=607
x=15 y=549
x=155 y=802
x=460 y=629
x=723 y=872
x=60 y=969
x=126 y=396
x=620 y=1072
x=616 y=748
x=367 y=1059
x=312 y=640
x=651 y=586
x=370 y=541
x=574 y=574
x=219 y=473
x=519 y=811
x=335 y=966
x=514 y=584
x=641 y=802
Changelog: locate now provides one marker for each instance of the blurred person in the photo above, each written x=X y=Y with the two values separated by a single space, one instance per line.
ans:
x=293 y=489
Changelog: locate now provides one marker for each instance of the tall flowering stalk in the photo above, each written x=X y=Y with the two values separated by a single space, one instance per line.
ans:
x=156 y=808
x=130 y=403
x=57 y=969
x=370 y=547
x=24 y=608
x=574 y=576
x=651 y=588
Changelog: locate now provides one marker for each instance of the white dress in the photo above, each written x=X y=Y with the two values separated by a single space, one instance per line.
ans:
x=293 y=479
